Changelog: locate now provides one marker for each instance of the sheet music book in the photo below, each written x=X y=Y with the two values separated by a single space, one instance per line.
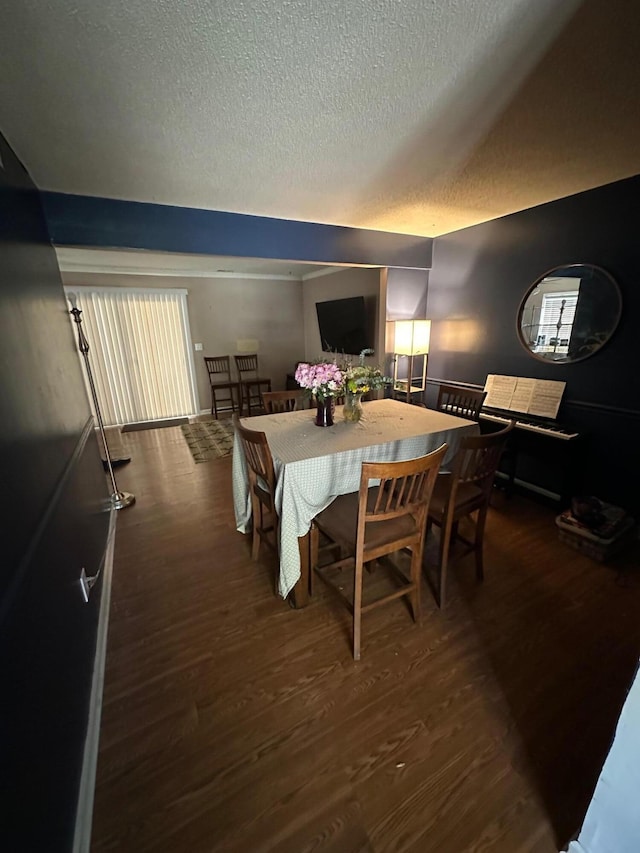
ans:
x=540 y=397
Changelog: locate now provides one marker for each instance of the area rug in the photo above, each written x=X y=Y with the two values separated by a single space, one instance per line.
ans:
x=209 y=439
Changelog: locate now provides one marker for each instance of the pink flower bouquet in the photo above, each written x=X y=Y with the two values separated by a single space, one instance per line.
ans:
x=323 y=379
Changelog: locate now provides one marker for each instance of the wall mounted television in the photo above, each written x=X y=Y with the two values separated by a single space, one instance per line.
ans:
x=346 y=325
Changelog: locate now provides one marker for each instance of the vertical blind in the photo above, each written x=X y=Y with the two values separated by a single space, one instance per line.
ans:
x=557 y=308
x=140 y=352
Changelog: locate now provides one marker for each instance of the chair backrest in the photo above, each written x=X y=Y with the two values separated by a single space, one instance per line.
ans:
x=284 y=401
x=247 y=364
x=460 y=402
x=477 y=460
x=218 y=367
x=404 y=488
x=258 y=456
x=336 y=400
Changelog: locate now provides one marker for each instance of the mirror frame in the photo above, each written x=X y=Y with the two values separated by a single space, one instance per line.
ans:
x=535 y=284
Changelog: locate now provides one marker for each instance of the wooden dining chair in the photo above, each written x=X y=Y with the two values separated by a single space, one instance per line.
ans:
x=376 y=521
x=284 y=401
x=336 y=400
x=462 y=491
x=461 y=402
x=262 y=487
x=252 y=385
x=222 y=388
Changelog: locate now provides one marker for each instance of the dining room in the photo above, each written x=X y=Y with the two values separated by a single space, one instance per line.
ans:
x=463 y=165
x=484 y=725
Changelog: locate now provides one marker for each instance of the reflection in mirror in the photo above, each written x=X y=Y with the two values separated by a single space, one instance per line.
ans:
x=569 y=313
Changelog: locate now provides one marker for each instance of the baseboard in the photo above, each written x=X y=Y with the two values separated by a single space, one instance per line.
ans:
x=167 y=422
x=223 y=415
x=84 y=811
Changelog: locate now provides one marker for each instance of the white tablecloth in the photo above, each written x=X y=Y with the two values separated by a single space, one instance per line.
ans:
x=314 y=465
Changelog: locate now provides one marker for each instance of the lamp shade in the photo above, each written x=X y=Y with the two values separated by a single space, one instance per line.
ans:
x=412 y=337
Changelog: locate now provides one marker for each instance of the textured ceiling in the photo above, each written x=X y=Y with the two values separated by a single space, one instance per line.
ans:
x=419 y=116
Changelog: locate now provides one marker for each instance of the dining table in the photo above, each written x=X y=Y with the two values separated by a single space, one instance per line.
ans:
x=313 y=465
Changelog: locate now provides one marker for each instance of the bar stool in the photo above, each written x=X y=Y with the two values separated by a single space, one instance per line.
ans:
x=251 y=384
x=219 y=370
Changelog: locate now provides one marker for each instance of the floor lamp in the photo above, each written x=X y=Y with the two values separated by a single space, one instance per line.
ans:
x=119 y=500
x=411 y=339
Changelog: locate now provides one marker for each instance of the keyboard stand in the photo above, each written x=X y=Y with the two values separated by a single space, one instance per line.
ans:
x=557 y=452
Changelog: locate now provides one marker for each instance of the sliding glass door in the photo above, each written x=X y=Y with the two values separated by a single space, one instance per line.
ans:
x=140 y=352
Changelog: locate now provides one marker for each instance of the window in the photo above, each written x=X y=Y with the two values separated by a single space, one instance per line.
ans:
x=140 y=352
x=556 y=320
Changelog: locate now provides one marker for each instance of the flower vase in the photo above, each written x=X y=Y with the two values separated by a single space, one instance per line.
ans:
x=352 y=409
x=324 y=413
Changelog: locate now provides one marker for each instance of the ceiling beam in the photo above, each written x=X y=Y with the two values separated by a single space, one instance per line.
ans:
x=101 y=222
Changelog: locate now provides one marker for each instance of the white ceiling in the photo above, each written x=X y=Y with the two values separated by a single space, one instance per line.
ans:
x=414 y=116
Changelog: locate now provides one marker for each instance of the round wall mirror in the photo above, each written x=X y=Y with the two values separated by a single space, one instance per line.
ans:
x=569 y=313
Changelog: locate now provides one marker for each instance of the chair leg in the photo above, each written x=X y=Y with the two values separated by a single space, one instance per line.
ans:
x=314 y=547
x=445 y=542
x=416 y=576
x=357 y=609
x=213 y=402
x=256 y=509
x=276 y=535
x=479 y=541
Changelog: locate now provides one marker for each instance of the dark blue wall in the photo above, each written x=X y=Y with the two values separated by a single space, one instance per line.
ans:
x=54 y=521
x=87 y=221
x=478 y=279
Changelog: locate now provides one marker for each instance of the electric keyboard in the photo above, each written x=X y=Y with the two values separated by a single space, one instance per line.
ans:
x=541 y=426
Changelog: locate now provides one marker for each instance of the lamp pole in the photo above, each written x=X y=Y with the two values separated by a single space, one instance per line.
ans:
x=119 y=500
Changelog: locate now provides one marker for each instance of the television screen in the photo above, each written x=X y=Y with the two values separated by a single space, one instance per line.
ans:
x=344 y=325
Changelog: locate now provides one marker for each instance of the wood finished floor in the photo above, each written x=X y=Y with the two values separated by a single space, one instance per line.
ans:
x=233 y=723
